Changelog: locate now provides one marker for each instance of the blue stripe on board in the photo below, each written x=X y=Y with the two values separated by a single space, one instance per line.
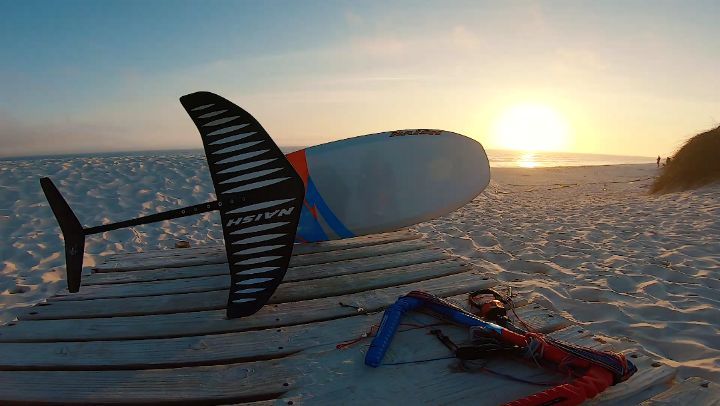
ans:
x=335 y=224
x=310 y=229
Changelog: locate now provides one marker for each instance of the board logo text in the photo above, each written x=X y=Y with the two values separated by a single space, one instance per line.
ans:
x=402 y=133
x=260 y=216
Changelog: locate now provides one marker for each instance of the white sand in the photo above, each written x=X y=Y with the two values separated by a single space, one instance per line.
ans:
x=585 y=241
x=591 y=244
x=100 y=190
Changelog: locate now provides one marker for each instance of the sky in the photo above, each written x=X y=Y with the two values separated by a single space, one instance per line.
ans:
x=611 y=77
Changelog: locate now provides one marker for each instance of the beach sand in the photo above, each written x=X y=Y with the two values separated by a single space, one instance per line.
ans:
x=588 y=242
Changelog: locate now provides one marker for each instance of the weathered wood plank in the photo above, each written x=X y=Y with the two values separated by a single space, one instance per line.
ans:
x=209 y=384
x=411 y=340
x=332 y=375
x=168 y=358
x=220 y=281
x=213 y=321
x=355 y=242
x=182 y=351
x=538 y=318
x=441 y=381
x=184 y=285
x=297 y=260
x=160 y=303
x=434 y=382
x=283 y=401
x=482 y=385
x=142 y=289
x=648 y=380
x=692 y=391
x=294 y=273
x=211 y=349
x=299 y=249
x=651 y=375
x=247 y=381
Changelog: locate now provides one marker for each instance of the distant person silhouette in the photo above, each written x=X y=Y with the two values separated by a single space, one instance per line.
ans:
x=658 y=161
x=667 y=160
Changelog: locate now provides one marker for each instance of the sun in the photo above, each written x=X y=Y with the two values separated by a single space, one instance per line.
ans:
x=531 y=127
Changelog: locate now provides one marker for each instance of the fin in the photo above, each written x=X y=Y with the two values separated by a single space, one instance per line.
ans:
x=72 y=230
x=259 y=197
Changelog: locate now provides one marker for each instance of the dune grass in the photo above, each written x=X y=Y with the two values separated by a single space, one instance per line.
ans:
x=696 y=164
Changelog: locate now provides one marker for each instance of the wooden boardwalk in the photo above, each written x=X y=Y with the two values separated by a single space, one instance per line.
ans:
x=149 y=328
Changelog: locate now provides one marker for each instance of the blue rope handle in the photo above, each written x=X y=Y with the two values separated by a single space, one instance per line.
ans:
x=388 y=326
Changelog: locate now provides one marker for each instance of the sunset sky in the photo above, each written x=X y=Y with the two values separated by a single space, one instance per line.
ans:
x=617 y=77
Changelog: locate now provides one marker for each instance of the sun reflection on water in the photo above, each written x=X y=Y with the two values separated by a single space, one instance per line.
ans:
x=527 y=160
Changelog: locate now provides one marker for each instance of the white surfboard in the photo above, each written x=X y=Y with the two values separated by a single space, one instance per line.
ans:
x=386 y=181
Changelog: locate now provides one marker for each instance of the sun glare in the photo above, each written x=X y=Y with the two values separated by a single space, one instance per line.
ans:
x=527 y=160
x=531 y=127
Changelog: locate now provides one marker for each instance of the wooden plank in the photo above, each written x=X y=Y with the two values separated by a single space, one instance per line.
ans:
x=294 y=273
x=182 y=351
x=647 y=381
x=355 y=242
x=538 y=318
x=299 y=249
x=141 y=289
x=415 y=385
x=357 y=265
x=341 y=375
x=233 y=382
x=157 y=274
x=214 y=253
x=436 y=381
x=161 y=303
x=203 y=285
x=208 y=384
x=298 y=260
x=691 y=391
x=651 y=378
x=419 y=381
x=418 y=345
x=206 y=350
x=284 y=401
x=213 y=321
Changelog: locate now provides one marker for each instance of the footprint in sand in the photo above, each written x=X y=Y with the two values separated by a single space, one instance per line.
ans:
x=484 y=239
x=529 y=267
x=464 y=247
x=19 y=289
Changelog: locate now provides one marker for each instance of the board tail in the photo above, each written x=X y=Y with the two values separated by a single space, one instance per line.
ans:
x=259 y=197
x=72 y=231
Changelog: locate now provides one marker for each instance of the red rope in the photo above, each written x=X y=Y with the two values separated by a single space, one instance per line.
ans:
x=373 y=330
x=347 y=344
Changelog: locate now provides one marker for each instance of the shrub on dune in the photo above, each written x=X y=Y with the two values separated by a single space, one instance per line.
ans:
x=696 y=164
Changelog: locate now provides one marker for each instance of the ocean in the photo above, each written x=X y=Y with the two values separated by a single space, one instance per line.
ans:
x=522 y=159
x=498 y=158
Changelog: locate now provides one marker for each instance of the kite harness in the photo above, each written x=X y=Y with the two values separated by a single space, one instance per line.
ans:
x=594 y=370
